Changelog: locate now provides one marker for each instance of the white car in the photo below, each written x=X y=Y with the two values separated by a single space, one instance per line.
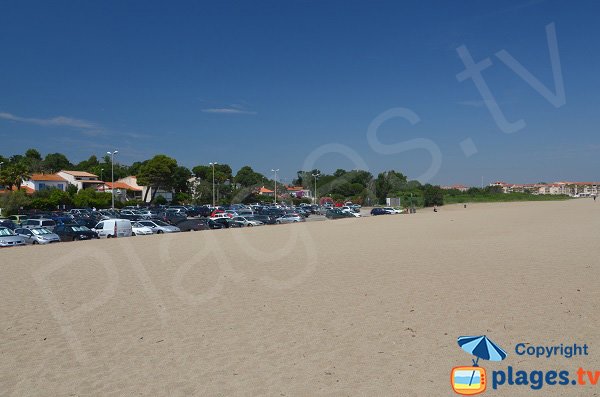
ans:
x=160 y=227
x=391 y=210
x=137 y=229
x=247 y=222
x=111 y=228
x=220 y=215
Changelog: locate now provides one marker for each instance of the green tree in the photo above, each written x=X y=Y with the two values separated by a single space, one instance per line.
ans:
x=54 y=162
x=247 y=177
x=157 y=174
x=432 y=195
x=180 y=179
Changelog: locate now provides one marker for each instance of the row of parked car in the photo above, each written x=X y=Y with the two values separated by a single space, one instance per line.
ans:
x=86 y=224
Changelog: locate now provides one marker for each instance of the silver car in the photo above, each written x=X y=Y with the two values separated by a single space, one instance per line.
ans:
x=38 y=235
x=159 y=227
x=9 y=239
x=290 y=218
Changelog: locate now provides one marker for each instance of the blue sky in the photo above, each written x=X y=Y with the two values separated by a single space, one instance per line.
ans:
x=268 y=83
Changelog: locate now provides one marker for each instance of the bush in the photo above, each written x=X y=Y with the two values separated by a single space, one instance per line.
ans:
x=12 y=203
x=88 y=198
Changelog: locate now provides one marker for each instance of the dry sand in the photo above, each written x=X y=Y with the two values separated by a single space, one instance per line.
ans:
x=369 y=306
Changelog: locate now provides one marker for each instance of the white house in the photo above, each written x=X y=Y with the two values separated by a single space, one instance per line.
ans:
x=132 y=182
x=39 y=182
x=81 y=179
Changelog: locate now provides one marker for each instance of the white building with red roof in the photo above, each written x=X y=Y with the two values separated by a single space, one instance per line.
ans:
x=81 y=179
x=39 y=182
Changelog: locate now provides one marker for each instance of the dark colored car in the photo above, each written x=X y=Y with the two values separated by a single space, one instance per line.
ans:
x=193 y=225
x=266 y=219
x=8 y=223
x=337 y=214
x=87 y=222
x=379 y=211
x=172 y=217
x=74 y=232
x=228 y=222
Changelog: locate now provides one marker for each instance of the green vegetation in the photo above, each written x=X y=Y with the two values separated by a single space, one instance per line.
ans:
x=164 y=173
x=493 y=194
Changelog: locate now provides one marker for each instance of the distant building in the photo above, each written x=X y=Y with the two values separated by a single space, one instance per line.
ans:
x=123 y=191
x=39 y=182
x=144 y=191
x=299 y=192
x=579 y=189
x=81 y=179
x=462 y=188
x=263 y=191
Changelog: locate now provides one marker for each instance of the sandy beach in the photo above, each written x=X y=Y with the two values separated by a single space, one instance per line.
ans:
x=352 y=307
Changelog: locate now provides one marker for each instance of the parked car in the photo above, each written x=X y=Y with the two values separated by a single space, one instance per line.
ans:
x=74 y=232
x=18 y=219
x=247 y=221
x=379 y=211
x=37 y=235
x=159 y=226
x=220 y=215
x=137 y=229
x=42 y=222
x=172 y=217
x=80 y=212
x=8 y=238
x=130 y=214
x=391 y=210
x=227 y=222
x=87 y=222
x=337 y=213
x=193 y=225
x=290 y=218
x=8 y=223
x=266 y=219
x=111 y=228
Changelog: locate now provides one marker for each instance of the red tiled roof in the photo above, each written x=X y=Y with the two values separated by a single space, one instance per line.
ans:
x=122 y=185
x=47 y=177
x=265 y=190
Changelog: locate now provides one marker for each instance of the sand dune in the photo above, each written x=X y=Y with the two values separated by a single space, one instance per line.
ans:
x=369 y=306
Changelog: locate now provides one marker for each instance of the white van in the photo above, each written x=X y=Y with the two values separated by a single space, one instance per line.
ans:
x=110 y=228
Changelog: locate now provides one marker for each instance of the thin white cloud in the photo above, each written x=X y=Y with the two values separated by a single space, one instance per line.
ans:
x=59 y=121
x=228 y=110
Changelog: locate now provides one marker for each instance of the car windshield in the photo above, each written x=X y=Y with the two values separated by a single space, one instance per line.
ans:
x=137 y=224
x=6 y=232
x=161 y=223
x=79 y=228
x=41 y=231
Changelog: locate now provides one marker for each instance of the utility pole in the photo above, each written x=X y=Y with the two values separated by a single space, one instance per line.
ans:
x=275 y=171
x=315 y=176
x=112 y=172
x=213 y=182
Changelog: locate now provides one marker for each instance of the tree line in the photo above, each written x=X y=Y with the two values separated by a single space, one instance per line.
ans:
x=162 y=172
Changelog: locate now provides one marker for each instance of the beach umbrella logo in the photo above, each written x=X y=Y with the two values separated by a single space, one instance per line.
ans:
x=470 y=380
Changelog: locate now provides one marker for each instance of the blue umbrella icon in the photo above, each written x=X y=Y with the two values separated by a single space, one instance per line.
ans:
x=481 y=347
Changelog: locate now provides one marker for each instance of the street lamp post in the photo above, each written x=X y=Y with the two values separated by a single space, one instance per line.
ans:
x=213 y=183
x=316 y=176
x=275 y=171
x=112 y=178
